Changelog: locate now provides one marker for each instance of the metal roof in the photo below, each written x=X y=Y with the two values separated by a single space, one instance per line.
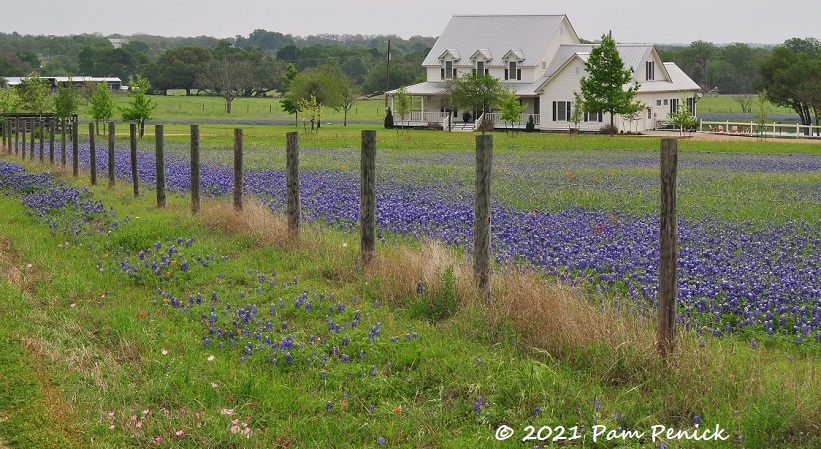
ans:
x=527 y=35
x=679 y=81
x=425 y=88
x=633 y=55
x=15 y=80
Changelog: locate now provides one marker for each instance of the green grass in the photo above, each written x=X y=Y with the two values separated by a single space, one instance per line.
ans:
x=192 y=108
x=726 y=104
x=70 y=369
x=97 y=366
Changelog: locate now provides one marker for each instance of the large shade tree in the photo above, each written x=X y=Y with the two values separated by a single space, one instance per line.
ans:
x=607 y=87
x=228 y=78
x=785 y=76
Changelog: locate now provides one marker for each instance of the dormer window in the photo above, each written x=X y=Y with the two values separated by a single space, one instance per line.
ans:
x=512 y=72
x=480 y=59
x=649 y=70
x=448 y=71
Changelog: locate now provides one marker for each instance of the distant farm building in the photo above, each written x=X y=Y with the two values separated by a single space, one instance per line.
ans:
x=114 y=84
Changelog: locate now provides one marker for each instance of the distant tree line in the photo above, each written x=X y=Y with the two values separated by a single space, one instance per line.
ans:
x=171 y=62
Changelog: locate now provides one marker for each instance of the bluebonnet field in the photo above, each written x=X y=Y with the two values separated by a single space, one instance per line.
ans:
x=749 y=260
x=749 y=255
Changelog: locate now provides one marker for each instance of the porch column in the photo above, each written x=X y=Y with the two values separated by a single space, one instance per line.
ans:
x=393 y=109
x=423 y=108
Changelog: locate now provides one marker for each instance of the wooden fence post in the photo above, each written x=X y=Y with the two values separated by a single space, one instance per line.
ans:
x=367 y=198
x=33 y=138
x=63 y=157
x=195 y=169
x=481 y=213
x=92 y=151
x=24 y=140
x=42 y=140
x=111 y=155
x=667 y=246
x=51 y=128
x=135 y=178
x=16 y=135
x=75 y=151
x=160 y=162
x=292 y=182
x=238 y=169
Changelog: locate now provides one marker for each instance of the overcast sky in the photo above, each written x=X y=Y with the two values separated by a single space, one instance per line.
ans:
x=649 y=21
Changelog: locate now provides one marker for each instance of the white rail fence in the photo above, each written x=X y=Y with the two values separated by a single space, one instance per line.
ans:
x=770 y=129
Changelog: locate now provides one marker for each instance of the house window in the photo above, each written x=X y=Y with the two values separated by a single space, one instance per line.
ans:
x=578 y=70
x=658 y=102
x=544 y=65
x=511 y=72
x=561 y=111
x=691 y=104
x=480 y=67
x=448 y=69
x=665 y=102
x=593 y=117
x=673 y=105
x=649 y=113
x=649 y=70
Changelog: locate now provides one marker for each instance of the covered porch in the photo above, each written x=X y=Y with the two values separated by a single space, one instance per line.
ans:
x=429 y=108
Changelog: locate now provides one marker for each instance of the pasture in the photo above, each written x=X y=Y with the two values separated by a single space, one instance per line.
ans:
x=127 y=325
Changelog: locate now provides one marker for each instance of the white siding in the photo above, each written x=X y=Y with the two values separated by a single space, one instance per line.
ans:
x=568 y=36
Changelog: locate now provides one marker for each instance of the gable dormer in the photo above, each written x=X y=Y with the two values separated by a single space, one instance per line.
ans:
x=480 y=60
x=512 y=60
x=448 y=58
x=653 y=69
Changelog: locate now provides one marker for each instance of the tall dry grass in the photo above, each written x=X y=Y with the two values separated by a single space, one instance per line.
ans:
x=562 y=323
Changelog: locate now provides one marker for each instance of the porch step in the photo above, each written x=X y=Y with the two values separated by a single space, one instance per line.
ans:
x=462 y=127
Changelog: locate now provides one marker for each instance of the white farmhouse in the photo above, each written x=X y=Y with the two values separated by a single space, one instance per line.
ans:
x=542 y=58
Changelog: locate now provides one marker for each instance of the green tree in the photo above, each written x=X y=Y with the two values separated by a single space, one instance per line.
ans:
x=312 y=108
x=102 y=105
x=228 y=78
x=577 y=112
x=699 y=54
x=682 y=117
x=512 y=108
x=288 y=103
x=475 y=92
x=323 y=83
x=348 y=94
x=177 y=68
x=34 y=94
x=633 y=114
x=140 y=107
x=402 y=104
x=9 y=100
x=67 y=101
x=762 y=112
x=604 y=87
x=782 y=75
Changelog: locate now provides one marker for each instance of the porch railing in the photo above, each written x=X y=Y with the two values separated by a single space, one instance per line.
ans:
x=426 y=117
x=495 y=118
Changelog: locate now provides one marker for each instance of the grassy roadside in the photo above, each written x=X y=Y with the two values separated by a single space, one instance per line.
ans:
x=542 y=355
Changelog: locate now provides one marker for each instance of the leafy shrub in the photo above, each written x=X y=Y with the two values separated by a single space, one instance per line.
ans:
x=389 y=119
x=531 y=125
x=608 y=129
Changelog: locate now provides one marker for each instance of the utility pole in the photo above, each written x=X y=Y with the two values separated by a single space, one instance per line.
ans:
x=387 y=75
